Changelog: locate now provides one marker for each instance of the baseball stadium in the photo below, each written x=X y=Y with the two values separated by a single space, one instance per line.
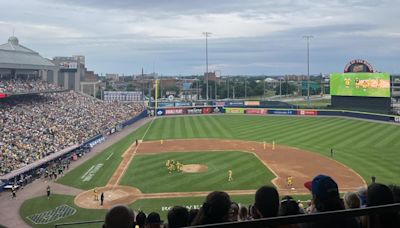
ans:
x=72 y=160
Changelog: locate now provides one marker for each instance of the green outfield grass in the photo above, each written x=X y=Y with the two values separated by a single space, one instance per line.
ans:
x=42 y=204
x=149 y=174
x=369 y=148
x=110 y=158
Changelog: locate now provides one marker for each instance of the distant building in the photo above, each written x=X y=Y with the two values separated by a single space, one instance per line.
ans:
x=90 y=88
x=90 y=76
x=72 y=71
x=19 y=61
x=211 y=76
x=123 y=96
x=112 y=77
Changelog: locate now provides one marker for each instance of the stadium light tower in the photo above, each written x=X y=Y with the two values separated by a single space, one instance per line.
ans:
x=308 y=37
x=207 y=34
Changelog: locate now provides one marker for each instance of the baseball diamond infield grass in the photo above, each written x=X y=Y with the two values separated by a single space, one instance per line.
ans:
x=149 y=173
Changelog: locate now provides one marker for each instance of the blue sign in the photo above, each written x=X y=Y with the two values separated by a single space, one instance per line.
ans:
x=165 y=104
x=282 y=112
x=235 y=103
x=180 y=104
x=160 y=112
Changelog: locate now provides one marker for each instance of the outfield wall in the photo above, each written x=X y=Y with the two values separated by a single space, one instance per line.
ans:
x=272 y=111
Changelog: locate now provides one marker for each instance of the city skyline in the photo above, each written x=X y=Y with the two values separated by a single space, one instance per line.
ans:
x=251 y=38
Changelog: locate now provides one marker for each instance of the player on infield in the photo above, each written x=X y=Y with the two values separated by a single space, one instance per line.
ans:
x=230 y=175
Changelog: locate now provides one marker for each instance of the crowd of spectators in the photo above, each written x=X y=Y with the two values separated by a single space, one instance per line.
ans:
x=218 y=208
x=34 y=126
x=31 y=85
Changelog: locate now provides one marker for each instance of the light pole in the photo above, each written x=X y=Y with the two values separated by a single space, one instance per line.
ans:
x=280 y=87
x=245 y=88
x=264 y=87
x=207 y=34
x=227 y=87
x=308 y=37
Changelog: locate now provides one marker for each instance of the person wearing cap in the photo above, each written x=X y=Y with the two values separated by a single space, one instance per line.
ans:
x=325 y=197
x=119 y=216
x=153 y=221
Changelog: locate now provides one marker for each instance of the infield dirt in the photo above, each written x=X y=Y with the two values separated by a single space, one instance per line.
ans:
x=283 y=161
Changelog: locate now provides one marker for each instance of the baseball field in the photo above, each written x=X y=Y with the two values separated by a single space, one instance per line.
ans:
x=259 y=150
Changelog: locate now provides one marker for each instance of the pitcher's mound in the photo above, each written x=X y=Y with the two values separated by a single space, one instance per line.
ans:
x=194 y=168
x=112 y=195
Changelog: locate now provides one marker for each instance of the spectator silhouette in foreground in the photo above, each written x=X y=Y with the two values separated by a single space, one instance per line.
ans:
x=141 y=219
x=153 y=221
x=380 y=194
x=289 y=206
x=325 y=197
x=119 y=216
x=178 y=217
x=266 y=203
x=243 y=213
x=234 y=212
x=192 y=215
x=215 y=209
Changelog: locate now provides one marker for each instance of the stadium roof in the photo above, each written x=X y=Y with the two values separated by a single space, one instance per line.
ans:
x=15 y=56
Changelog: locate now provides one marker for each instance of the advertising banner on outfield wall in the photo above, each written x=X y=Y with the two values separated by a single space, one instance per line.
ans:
x=234 y=103
x=218 y=110
x=160 y=112
x=220 y=103
x=396 y=119
x=183 y=104
x=252 y=103
x=175 y=111
x=194 y=111
x=234 y=110
x=307 y=112
x=207 y=110
x=165 y=104
x=202 y=103
x=282 y=112
x=257 y=111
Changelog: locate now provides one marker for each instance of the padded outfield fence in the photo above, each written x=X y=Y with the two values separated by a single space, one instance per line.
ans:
x=276 y=111
x=283 y=220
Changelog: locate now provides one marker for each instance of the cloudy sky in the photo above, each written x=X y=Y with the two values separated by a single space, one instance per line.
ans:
x=248 y=36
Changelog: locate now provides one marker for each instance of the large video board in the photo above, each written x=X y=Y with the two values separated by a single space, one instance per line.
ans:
x=360 y=84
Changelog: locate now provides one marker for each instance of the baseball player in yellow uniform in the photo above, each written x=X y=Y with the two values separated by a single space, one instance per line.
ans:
x=171 y=167
x=167 y=163
x=289 y=181
x=230 y=174
x=96 y=194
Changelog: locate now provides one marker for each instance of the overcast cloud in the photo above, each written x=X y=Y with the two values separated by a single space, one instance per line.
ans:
x=248 y=37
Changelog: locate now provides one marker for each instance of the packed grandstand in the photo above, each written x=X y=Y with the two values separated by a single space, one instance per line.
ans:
x=25 y=85
x=34 y=126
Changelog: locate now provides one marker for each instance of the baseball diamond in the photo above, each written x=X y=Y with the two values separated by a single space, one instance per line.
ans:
x=137 y=175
